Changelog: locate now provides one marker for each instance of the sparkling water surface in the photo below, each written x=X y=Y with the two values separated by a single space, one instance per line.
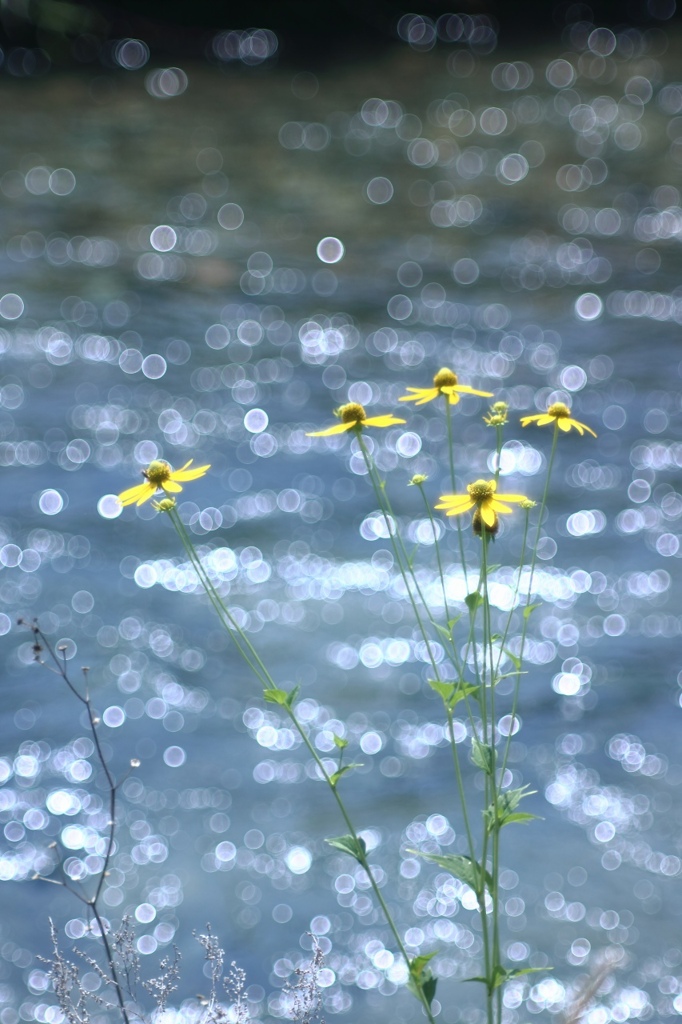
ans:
x=202 y=263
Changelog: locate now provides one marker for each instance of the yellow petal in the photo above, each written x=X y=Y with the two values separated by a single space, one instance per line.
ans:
x=466 y=390
x=453 y=499
x=170 y=485
x=496 y=506
x=456 y=510
x=189 y=474
x=382 y=421
x=510 y=497
x=565 y=424
x=488 y=513
x=338 y=428
x=581 y=427
x=137 y=494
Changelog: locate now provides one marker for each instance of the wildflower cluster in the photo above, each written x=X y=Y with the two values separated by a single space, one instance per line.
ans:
x=464 y=668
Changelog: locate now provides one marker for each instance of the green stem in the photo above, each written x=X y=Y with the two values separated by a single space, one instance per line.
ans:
x=407 y=573
x=451 y=457
x=256 y=664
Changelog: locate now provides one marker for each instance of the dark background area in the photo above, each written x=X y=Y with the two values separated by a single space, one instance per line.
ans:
x=73 y=32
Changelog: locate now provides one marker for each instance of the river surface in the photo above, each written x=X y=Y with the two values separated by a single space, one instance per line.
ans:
x=203 y=263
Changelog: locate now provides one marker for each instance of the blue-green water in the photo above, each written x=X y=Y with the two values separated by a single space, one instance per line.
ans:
x=516 y=217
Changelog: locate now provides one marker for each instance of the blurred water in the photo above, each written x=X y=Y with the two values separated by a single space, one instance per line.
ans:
x=167 y=294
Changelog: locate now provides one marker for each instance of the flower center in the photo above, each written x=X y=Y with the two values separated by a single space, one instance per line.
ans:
x=481 y=490
x=353 y=412
x=158 y=472
x=445 y=378
x=558 y=410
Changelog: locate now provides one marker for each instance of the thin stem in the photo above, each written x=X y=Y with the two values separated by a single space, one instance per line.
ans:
x=436 y=545
x=543 y=506
x=92 y=901
x=256 y=664
x=451 y=459
x=406 y=571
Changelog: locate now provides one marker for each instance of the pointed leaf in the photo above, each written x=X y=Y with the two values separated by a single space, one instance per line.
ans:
x=464 y=690
x=276 y=696
x=349 y=844
x=340 y=742
x=483 y=756
x=418 y=964
x=291 y=696
x=443 y=689
x=521 y=817
x=461 y=867
x=429 y=988
x=342 y=771
x=514 y=658
x=453 y=622
x=511 y=798
x=453 y=693
x=421 y=980
x=516 y=972
x=443 y=632
x=504 y=812
x=505 y=974
x=530 y=608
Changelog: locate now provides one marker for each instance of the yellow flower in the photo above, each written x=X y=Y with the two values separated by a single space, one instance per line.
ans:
x=444 y=383
x=354 y=417
x=560 y=415
x=481 y=495
x=160 y=476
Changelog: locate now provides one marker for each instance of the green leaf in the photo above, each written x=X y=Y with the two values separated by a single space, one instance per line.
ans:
x=530 y=608
x=281 y=697
x=483 y=756
x=453 y=622
x=421 y=980
x=418 y=963
x=276 y=696
x=342 y=771
x=511 y=798
x=494 y=568
x=522 y=817
x=429 y=988
x=443 y=689
x=453 y=693
x=461 y=867
x=505 y=974
x=340 y=742
x=445 y=633
x=349 y=844
x=516 y=972
x=463 y=690
x=505 y=813
x=473 y=601
x=291 y=696
x=515 y=660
